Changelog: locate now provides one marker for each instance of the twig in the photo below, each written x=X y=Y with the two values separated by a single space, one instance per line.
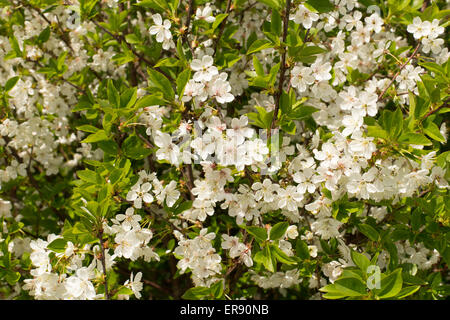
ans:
x=398 y=72
x=222 y=26
x=132 y=65
x=190 y=179
x=187 y=25
x=445 y=104
x=282 y=70
x=102 y=259
x=155 y=285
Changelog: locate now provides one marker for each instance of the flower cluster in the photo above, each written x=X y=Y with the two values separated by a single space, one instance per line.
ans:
x=199 y=256
x=207 y=82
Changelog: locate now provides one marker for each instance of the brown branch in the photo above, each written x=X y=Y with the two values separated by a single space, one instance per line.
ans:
x=102 y=259
x=155 y=285
x=398 y=72
x=282 y=70
x=190 y=175
x=444 y=105
x=222 y=26
x=184 y=37
x=132 y=65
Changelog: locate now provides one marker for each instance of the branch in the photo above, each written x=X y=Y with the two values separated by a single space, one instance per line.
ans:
x=445 y=104
x=132 y=64
x=102 y=258
x=222 y=26
x=190 y=179
x=187 y=25
x=282 y=70
x=398 y=72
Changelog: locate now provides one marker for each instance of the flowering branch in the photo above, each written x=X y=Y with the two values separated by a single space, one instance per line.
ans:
x=399 y=70
x=282 y=69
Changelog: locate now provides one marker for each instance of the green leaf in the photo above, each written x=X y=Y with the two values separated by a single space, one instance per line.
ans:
x=57 y=245
x=273 y=73
x=44 y=35
x=15 y=46
x=280 y=256
x=258 y=66
x=158 y=5
x=133 y=148
x=167 y=62
x=369 y=231
x=61 y=60
x=274 y=4
x=113 y=94
x=259 y=45
x=108 y=120
x=11 y=83
x=89 y=176
x=132 y=38
x=414 y=138
x=285 y=103
x=390 y=285
x=217 y=289
x=432 y=130
x=109 y=146
x=150 y=100
x=308 y=54
x=396 y=123
x=95 y=137
x=196 y=293
x=182 y=80
x=88 y=128
x=260 y=234
x=128 y=98
x=377 y=132
x=332 y=295
x=288 y=126
x=302 y=112
x=264 y=257
x=12 y=277
x=219 y=18
x=345 y=287
x=278 y=230
x=268 y=261
x=302 y=250
x=351 y=287
x=321 y=5
x=421 y=107
x=159 y=81
x=185 y=205
x=262 y=119
x=360 y=260
x=275 y=23
x=407 y=291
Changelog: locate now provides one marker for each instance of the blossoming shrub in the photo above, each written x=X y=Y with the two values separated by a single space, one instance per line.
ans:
x=224 y=150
